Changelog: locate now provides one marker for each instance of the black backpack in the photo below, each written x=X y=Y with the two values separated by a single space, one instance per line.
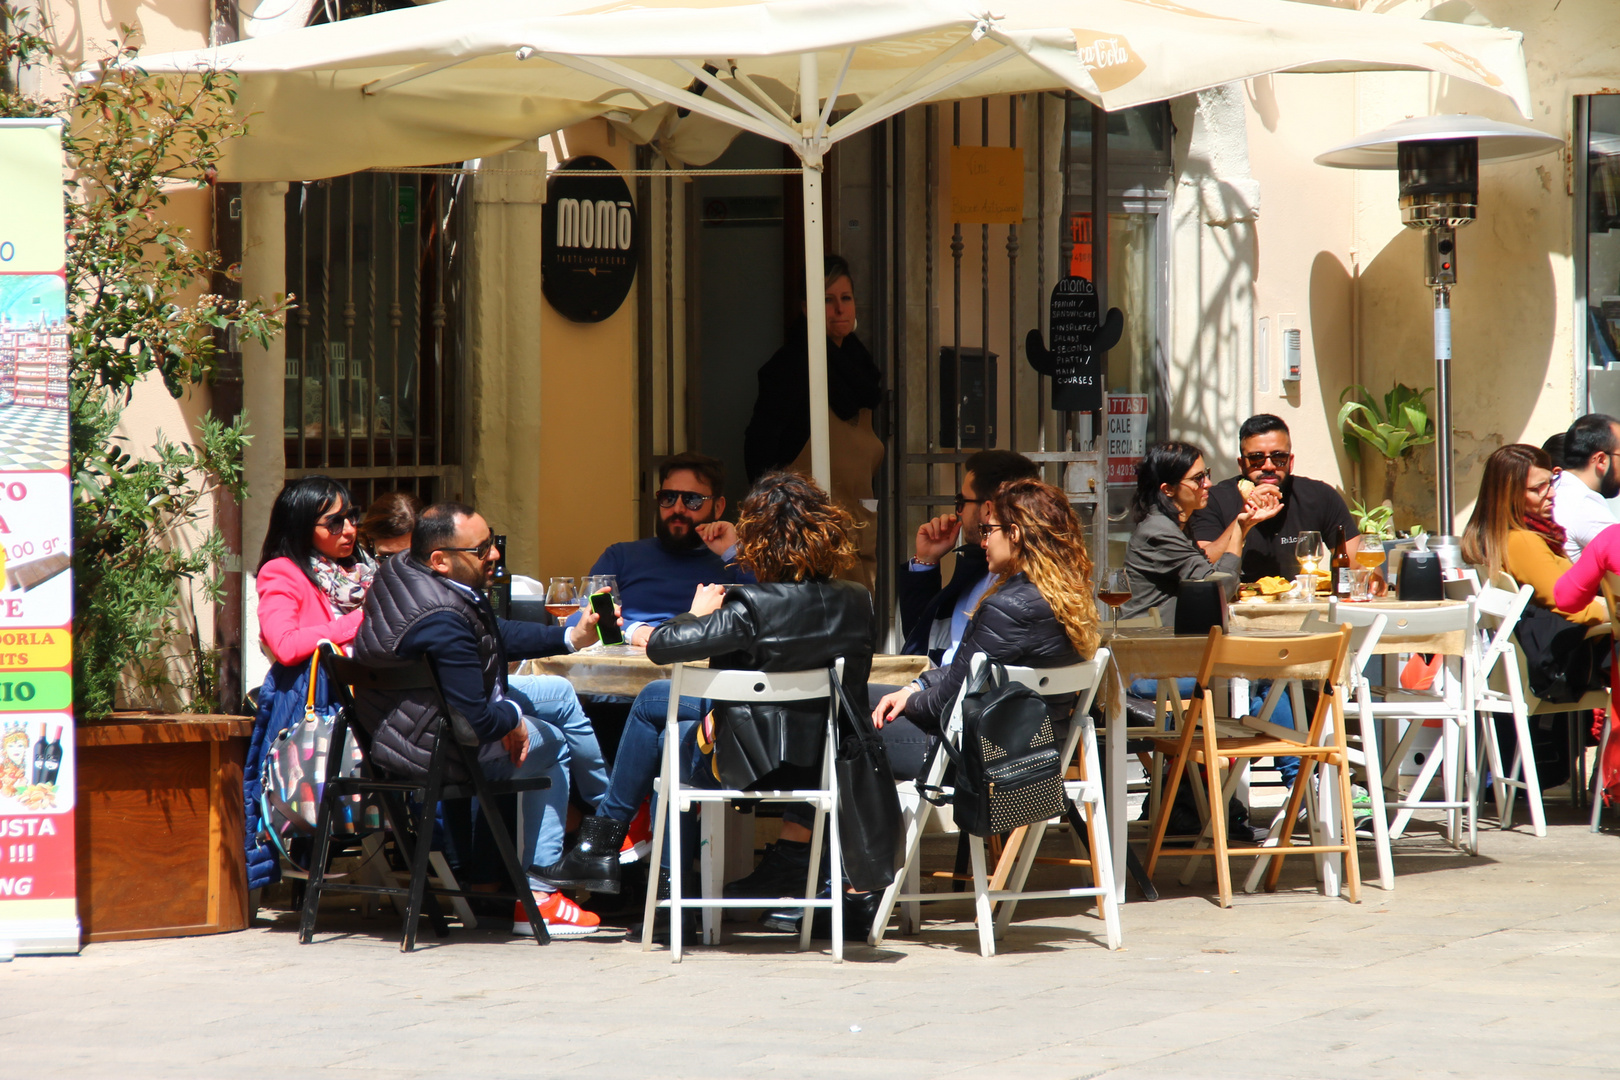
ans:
x=1008 y=772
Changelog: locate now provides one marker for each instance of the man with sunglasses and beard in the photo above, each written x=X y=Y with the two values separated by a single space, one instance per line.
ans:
x=1266 y=460
x=692 y=546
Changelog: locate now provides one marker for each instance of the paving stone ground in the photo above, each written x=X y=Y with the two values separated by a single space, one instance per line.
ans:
x=1504 y=965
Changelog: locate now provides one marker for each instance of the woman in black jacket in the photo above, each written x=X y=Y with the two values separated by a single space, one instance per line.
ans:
x=794 y=539
x=1040 y=613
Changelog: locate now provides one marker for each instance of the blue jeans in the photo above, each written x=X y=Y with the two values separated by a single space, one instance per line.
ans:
x=555 y=702
x=545 y=811
x=1282 y=716
x=639 y=759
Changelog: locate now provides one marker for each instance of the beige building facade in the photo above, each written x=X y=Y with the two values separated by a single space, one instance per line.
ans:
x=1223 y=238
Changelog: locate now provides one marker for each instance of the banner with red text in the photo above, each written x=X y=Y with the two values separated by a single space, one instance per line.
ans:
x=38 y=911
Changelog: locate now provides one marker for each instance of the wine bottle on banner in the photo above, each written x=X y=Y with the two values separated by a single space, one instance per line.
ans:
x=37 y=772
x=53 y=757
x=1344 y=573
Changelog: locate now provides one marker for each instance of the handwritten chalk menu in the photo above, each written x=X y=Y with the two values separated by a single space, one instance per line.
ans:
x=38 y=912
x=1071 y=334
x=987 y=185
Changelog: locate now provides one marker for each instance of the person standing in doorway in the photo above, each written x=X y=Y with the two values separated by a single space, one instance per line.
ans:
x=778 y=435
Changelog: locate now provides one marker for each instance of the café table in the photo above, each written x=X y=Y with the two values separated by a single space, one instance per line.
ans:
x=1159 y=653
x=623 y=670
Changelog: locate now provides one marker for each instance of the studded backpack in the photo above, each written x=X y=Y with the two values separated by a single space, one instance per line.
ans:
x=1008 y=772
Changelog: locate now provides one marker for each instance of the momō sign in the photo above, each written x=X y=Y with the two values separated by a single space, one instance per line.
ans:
x=1079 y=342
x=588 y=245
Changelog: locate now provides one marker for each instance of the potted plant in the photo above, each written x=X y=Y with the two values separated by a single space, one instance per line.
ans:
x=1394 y=430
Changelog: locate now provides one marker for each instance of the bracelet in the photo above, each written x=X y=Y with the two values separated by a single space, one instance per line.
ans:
x=923 y=562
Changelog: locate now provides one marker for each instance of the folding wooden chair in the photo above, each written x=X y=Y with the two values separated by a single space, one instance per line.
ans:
x=412 y=830
x=1084 y=790
x=1313 y=657
x=754 y=688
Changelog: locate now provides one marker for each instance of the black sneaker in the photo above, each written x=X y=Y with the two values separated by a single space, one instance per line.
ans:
x=780 y=873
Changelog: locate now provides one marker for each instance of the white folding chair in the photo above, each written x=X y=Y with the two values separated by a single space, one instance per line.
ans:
x=1363 y=750
x=1504 y=688
x=1450 y=703
x=1087 y=792
x=753 y=688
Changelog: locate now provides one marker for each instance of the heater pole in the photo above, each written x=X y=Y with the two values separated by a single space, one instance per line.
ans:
x=1445 y=500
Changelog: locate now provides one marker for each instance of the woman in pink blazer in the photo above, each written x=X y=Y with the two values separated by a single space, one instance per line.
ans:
x=311 y=582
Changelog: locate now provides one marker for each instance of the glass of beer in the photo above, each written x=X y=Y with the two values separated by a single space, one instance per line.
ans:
x=561 y=599
x=1115 y=591
x=1368 y=559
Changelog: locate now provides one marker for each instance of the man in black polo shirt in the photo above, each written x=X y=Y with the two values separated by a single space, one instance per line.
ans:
x=1267 y=457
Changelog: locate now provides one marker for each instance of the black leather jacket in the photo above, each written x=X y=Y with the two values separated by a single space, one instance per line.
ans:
x=776 y=627
x=1014 y=624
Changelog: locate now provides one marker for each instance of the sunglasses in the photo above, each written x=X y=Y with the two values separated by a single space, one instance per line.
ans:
x=963 y=500
x=333 y=523
x=477 y=552
x=992 y=526
x=689 y=499
x=1276 y=457
x=1196 y=479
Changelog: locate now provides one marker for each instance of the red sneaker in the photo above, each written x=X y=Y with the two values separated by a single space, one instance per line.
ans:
x=638 y=836
x=564 y=918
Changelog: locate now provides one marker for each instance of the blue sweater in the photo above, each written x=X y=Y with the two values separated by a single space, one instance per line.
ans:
x=656 y=583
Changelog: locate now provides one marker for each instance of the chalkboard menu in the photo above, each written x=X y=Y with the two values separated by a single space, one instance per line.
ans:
x=1079 y=342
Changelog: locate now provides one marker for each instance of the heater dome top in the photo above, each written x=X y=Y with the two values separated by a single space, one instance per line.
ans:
x=1497 y=141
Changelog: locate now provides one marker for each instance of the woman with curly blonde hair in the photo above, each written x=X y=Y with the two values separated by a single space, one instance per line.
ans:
x=798 y=616
x=1039 y=613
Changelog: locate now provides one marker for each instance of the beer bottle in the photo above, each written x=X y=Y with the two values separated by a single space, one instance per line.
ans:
x=1343 y=568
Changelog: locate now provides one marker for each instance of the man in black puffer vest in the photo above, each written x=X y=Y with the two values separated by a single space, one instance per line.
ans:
x=431 y=603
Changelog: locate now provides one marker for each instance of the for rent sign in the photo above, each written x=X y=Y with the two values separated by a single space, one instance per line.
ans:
x=1127 y=435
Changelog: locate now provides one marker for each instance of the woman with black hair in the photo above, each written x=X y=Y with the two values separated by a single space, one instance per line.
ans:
x=1172 y=482
x=311 y=581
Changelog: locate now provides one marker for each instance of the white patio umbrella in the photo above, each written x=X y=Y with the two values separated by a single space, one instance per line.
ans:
x=471 y=78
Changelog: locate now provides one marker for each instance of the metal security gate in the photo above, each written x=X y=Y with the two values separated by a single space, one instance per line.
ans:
x=376 y=346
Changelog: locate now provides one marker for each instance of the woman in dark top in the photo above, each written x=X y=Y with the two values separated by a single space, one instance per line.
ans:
x=1040 y=613
x=1172 y=482
x=795 y=540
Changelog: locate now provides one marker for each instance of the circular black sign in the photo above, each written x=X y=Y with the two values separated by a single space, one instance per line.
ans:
x=588 y=241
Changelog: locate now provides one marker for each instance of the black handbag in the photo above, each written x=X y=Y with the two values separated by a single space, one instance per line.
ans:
x=868 y=802
x=1008 y=772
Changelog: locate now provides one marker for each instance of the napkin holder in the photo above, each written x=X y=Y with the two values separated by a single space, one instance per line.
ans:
x=1201 y=604
x=1422 y=576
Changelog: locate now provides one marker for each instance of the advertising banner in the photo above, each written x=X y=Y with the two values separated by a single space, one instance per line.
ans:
x=1127 y=436
x=38 y=912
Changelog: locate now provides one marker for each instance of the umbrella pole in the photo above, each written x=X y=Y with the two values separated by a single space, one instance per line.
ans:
x=815 y=303
x=1445 y=500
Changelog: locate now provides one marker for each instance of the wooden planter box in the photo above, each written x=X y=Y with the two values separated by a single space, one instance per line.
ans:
x=160 y=829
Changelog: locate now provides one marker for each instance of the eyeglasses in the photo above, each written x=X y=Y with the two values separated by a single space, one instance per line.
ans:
x=478 y=552
x=333 y=523
x=1276 y=457
x=1196 y=479
x=963 y=500
x=1539 y=489
x=689 y=499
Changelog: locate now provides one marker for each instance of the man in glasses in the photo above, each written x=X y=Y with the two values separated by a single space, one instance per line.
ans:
x=934 y=613
x=1266 y=460
x=692 y=546
x=1590 y=477
x=432 y=602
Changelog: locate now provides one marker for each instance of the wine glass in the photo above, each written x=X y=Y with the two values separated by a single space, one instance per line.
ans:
x=561 y=599
x=1115 y=591
x=1369 y=557
x=1308 y=554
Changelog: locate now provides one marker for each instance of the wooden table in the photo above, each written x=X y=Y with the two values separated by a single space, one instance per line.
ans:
x=159 y=815
x=1290 y=615
x=623 y=670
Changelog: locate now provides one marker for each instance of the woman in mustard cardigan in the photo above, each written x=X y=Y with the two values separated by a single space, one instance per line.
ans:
x=1512 y=528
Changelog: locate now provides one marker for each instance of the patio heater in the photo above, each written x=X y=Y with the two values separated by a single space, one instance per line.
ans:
x=1438 y=158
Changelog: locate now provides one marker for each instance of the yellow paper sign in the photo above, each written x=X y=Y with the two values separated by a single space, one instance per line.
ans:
x=32 y=221
x=35 y=650
x=987 y=185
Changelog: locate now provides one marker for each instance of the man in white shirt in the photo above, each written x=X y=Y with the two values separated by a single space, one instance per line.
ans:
x=1591 y=476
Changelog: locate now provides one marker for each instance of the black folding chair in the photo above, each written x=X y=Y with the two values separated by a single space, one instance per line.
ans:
x=412 y=830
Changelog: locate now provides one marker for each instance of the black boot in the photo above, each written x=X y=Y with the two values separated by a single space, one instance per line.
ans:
x=780 y=873
x=689 y=927
x=593 y=862
x=859 y=911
